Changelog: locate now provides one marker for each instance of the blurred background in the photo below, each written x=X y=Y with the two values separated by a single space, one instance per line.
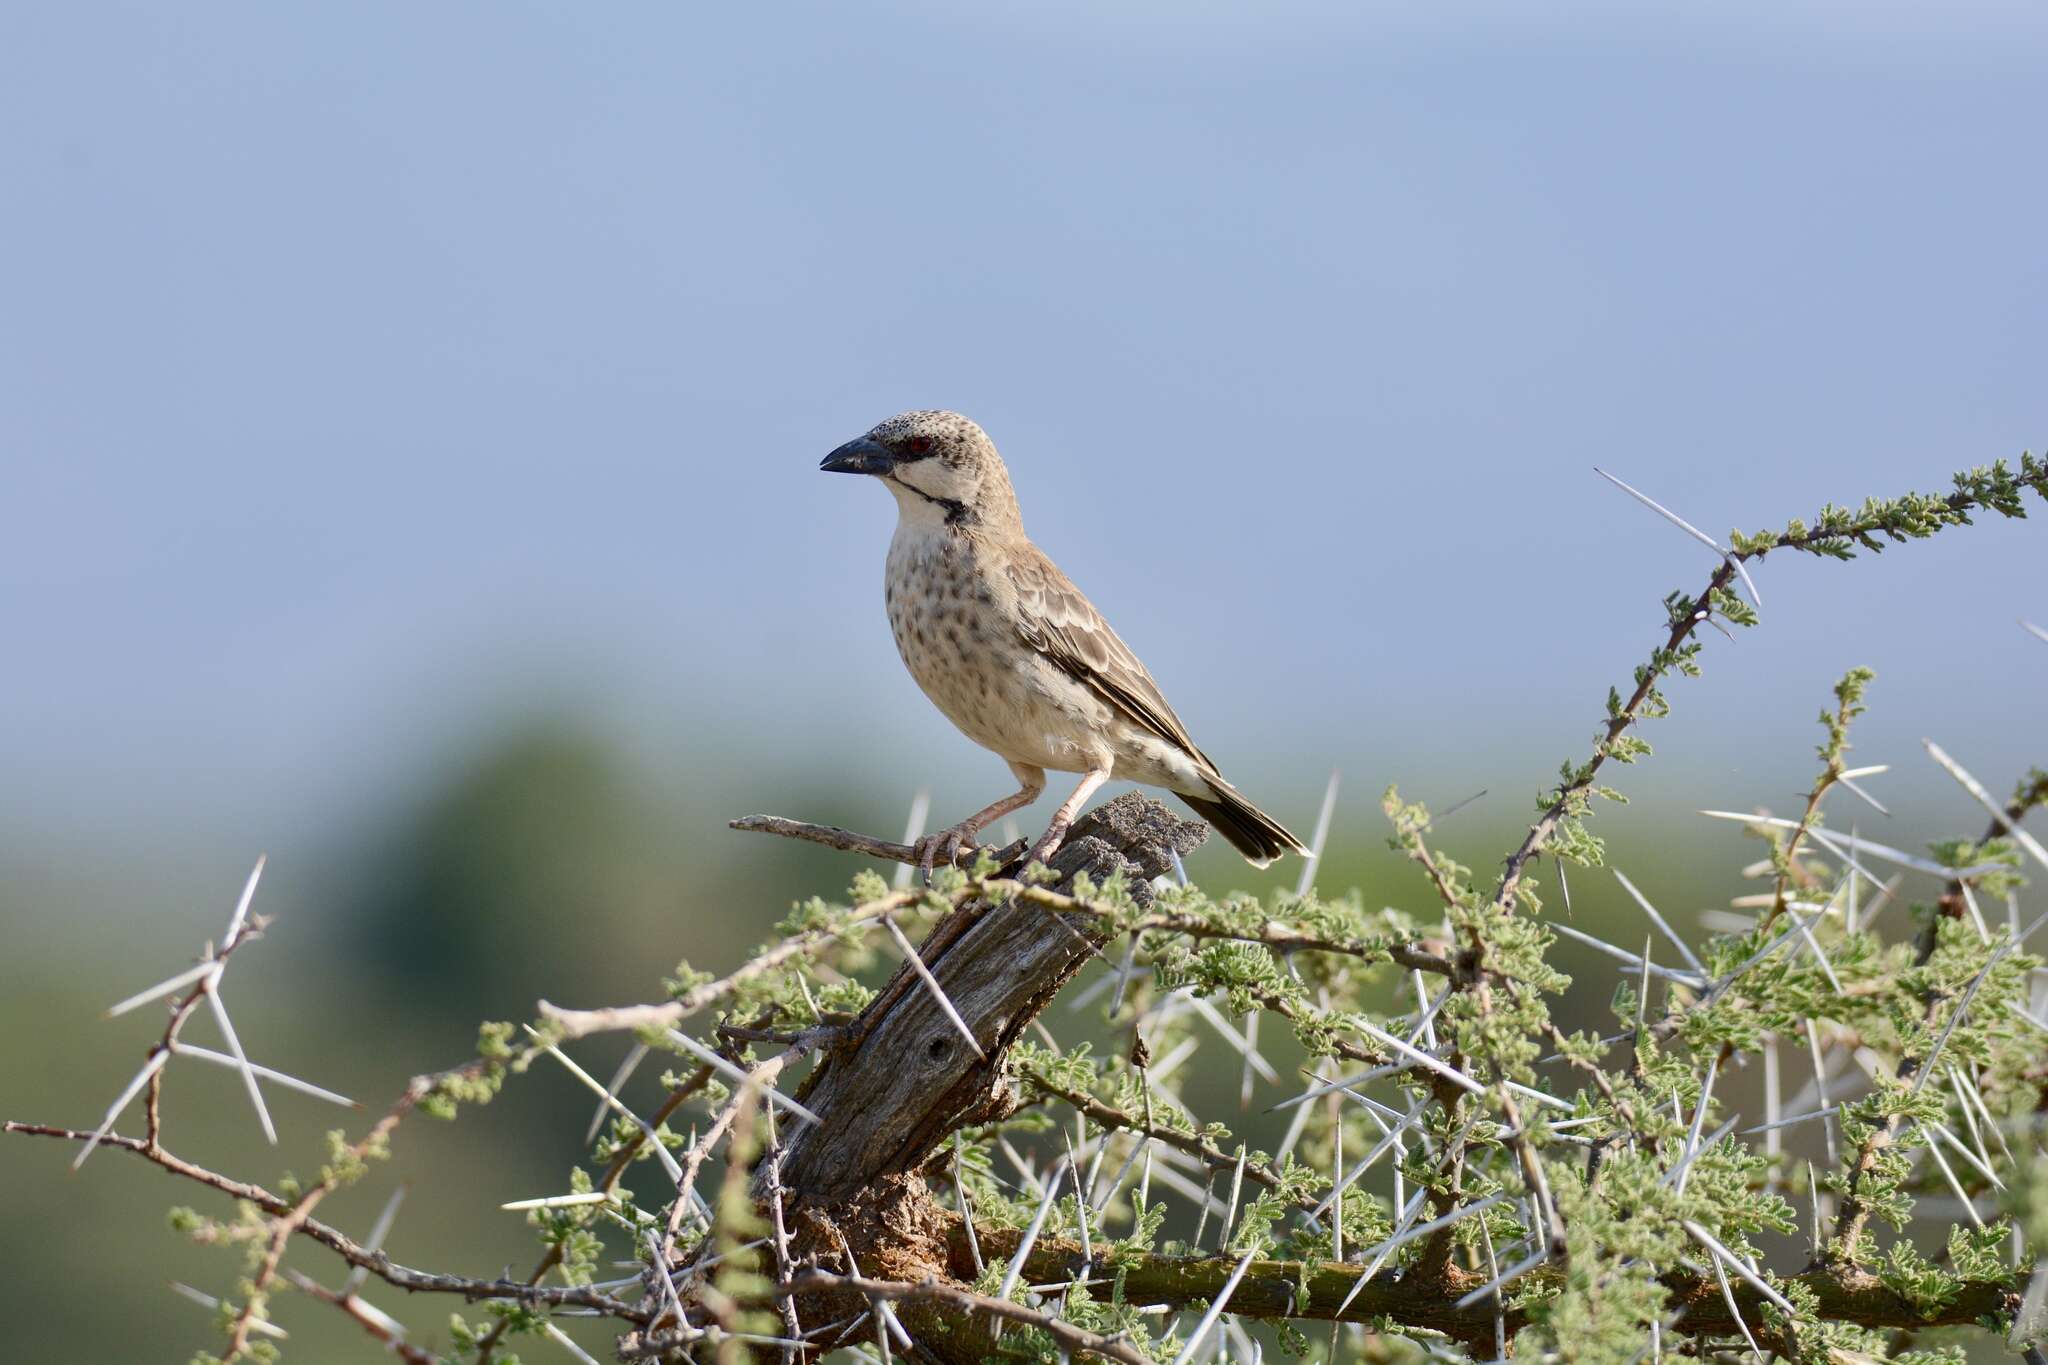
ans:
x=409 y=420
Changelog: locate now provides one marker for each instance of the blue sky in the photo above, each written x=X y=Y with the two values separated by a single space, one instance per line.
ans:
x=370 y=372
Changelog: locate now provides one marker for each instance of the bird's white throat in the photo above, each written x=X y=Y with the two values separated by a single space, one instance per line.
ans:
x=916 y=511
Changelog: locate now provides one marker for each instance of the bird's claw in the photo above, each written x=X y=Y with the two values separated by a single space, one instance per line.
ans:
x=1047 y=845
x=943 y=845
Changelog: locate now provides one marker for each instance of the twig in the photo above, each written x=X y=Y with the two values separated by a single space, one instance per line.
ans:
x=372 y=1320
x=1064 y=1334
x=377 y=1263
x=848 y=841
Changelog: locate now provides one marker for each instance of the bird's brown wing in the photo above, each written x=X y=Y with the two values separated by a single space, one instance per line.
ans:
x=1057 y=620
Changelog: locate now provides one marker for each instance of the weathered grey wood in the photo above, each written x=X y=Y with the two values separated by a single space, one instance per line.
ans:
x=907 y=1079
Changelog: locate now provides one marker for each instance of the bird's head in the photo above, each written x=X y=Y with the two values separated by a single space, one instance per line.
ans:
x=941 y=467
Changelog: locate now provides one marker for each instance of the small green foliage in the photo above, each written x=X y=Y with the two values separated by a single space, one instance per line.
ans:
x=1915 y=1279
x=684 y=979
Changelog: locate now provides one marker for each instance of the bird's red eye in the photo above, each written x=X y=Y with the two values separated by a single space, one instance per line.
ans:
x=918 y=445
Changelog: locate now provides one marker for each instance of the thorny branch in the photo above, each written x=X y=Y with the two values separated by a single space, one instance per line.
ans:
x=376 y=1262
x=1304 y=961
x=966 y=1301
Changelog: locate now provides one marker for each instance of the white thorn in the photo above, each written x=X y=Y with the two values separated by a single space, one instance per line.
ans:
x=1984 y=799
x=242 y=906
x=160 y=989
x=670 y=1167
x=1658 y=920
x=205 y=1300
x=1315 y=845
x=733 y=1073
x=632 y=1061
x=1023 y=1252
x=561 y=1201
x=561 y=1339
x=1187 y=1352
x=924 y=974
x=1875 y=850
x=913 y=829
x=157 y=1057
x=379 y=1230
x=207 y=1054
x=227 y=1030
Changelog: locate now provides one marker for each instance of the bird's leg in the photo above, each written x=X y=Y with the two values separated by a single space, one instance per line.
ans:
x=1063 y=818
x=955 y=839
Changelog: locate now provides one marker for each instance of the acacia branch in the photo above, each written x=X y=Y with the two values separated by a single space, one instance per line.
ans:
x=965 y=1301
x=1854 y=1216
x=340 y=1243
x=1317 y=1290
x=369 y=1319
x=850 y=841
x=1902 y=519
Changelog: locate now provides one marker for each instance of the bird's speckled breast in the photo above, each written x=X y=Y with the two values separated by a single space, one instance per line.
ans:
x=952 y=622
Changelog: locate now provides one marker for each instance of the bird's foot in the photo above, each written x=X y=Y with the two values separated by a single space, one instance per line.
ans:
x=945 y=845
x=1048 y=844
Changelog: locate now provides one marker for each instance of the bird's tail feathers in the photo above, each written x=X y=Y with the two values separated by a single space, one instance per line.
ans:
x=1252 y=832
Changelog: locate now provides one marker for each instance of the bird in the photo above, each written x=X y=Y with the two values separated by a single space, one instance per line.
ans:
x=1014 y=654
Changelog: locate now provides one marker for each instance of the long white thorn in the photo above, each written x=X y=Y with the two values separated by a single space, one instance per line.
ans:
x=1506 y=1277
x=241 y=914
x=1421 y=1058
x=734 y=1074
x=379 y=1230
x=670 y=1167
x=1457 y=1215
x=560 y=1201
x=561 y=1339
x=1984 y=799
x=227 y=1031
x=1230 y=1215
x=1820 y=1088
x=1365 y=1163
x=1661 y=510
x=1386 y=1248
x=931 y=983
x=913 y=829
x=1776 y=1124
x=157 y=1057
x=1806 y=932
x=205 y=1300
x=1756 y=1282
x=1948 y=1174
x=1874 y=849
x=1956 y=1017
x=1530 y=1093
x=1187 y=1352
x=1237 y=1040
x=1315 y=844
x=627 y=1067
x=1251 y=1041
x=1624 y=955
x=1728 y=1294
x=1658 y=920
x=1680 y=1171
x=1016 y=1268
x=1866 y=797
x=1774 y=1098
x=207 y=1054
x=1941 y=1131
x=1827 y=840
x=159 y=990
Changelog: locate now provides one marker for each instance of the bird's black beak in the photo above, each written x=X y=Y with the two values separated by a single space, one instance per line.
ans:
x=860 y=456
